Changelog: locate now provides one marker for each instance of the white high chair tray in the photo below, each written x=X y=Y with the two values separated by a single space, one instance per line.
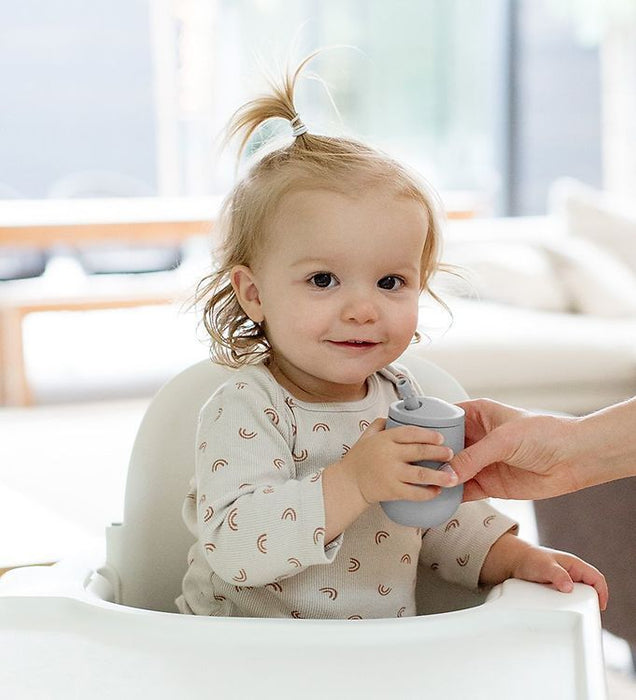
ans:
x=526 y=641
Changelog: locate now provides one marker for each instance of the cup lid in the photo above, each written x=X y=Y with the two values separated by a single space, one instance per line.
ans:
x=430 y=413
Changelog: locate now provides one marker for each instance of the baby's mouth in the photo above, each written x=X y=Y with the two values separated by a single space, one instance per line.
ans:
x=354 y=343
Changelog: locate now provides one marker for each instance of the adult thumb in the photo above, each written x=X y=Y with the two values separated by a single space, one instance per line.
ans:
x=474 y=458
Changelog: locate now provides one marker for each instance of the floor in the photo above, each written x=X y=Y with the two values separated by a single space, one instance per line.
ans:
x=63 y=463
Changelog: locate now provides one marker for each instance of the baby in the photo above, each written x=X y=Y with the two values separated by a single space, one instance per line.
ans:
x=327 y=246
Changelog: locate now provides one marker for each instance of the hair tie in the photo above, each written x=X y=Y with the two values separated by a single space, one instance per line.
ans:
x=298 y=127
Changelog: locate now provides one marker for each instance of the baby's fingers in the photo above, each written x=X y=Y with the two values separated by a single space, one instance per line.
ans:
x=583 y=572
x=423 y=476
x=377 y=426
x=406 y=434
x=424 y=453
x=560 y=578
x=545 y=569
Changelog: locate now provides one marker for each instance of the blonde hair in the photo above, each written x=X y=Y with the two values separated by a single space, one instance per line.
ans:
x=310 y=161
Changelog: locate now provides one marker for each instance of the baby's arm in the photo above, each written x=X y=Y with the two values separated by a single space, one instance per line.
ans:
x=256 y=522
x=511 y=557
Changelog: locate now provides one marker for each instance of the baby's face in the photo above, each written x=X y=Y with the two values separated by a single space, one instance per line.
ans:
x=338 y=289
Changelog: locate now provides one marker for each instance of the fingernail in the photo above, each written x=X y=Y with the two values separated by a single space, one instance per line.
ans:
x=450 y=471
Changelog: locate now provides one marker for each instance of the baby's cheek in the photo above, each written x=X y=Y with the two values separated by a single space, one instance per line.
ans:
x=298 y=325
x=311 y=319
x=406 y=324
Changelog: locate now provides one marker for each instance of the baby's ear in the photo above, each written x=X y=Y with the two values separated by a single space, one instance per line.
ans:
x=246 y=290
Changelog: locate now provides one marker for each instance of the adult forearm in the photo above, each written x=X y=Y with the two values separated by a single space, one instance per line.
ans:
x=603 y=444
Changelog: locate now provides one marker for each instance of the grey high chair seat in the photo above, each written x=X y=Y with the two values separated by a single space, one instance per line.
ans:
x=81 y=630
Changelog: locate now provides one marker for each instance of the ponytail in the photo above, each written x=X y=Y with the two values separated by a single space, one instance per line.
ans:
x=278 y=104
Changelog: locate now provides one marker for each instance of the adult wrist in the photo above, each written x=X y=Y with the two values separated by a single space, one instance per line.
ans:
x=607 y=443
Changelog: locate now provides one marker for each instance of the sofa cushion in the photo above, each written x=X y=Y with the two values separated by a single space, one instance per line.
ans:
x=600 y=217
x=595 y=281
x=550 y=361
x=511 y=272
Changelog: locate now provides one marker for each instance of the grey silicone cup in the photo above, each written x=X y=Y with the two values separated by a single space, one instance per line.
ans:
x=448 y=420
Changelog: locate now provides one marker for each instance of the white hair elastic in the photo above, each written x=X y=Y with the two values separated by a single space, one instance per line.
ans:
x=298 y=127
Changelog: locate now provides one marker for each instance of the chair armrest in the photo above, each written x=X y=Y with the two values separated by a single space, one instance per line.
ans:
x=70 y=578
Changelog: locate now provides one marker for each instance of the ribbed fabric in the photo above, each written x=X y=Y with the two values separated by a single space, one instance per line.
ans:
x=257 y=512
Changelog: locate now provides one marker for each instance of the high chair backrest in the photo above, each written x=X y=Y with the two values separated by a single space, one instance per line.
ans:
x=146 y=554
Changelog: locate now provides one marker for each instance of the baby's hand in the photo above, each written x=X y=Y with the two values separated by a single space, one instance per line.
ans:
x=381 y=463
x=560 y=570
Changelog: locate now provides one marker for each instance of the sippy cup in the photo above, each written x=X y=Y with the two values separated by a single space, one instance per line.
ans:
x=445 y=418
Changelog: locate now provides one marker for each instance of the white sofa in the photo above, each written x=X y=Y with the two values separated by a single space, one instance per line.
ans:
x=546 y=317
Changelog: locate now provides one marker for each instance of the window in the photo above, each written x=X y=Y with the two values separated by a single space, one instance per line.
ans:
x=421 y=83
x=476 y=94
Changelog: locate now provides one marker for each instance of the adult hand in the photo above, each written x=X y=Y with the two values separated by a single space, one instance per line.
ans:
x=512 y=453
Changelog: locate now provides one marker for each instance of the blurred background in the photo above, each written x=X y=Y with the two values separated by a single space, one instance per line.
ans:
x=493 y=97
x=521 y=113
x=491 y=100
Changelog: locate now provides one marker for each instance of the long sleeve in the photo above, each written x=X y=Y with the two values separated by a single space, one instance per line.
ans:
x=257 y=522
x=456 y=549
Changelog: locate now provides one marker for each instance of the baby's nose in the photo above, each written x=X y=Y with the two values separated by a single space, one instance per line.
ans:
x=360 y=308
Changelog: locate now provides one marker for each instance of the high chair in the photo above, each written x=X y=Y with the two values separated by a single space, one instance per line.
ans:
x=80 y=630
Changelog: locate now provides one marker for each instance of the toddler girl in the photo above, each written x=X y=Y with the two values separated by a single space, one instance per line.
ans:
x=327 y=246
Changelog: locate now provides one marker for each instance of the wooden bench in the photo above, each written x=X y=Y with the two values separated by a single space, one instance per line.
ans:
x=75 y=222
x=14 y=385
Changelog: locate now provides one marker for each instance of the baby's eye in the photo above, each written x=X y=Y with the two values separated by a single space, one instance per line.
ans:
x=391 y=282
x=323 y=280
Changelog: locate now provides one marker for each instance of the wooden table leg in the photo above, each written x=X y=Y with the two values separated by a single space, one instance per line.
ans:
x=15 y=390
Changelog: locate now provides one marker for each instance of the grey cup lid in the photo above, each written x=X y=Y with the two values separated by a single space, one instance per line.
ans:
x=430 y=413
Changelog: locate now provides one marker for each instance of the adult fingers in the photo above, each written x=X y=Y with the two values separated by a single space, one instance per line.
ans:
x=474 y=458
x=473 y=491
